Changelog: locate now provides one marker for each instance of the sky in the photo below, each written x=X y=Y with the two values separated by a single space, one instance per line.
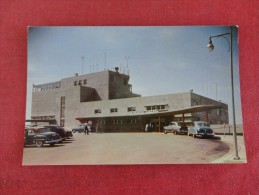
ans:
x=159 y=59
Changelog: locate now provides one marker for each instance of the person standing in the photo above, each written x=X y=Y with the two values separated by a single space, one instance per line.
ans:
x=86 y=130
x=97 y=128
x=147 y=127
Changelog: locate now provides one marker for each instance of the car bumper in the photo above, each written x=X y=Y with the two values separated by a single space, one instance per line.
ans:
x=53 y=141
x=206 y=135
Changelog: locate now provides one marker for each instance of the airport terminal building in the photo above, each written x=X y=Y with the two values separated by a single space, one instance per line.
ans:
x=106 y=97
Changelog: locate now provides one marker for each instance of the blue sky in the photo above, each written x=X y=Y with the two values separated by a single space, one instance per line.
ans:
x=160 y=60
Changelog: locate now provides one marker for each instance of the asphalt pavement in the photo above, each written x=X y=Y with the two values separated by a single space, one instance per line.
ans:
x=134 y=148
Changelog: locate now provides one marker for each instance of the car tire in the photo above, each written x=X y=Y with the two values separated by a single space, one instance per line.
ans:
x=52 y=144
x=194 y=136
x=165 y=132
x=39 y=144
x=73 y=131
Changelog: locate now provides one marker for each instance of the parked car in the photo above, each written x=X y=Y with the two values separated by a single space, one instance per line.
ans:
x=200 y=129
x=39 y=136
x=81 y=128
x=176 y=128
x=59 y=130
x=69 y=133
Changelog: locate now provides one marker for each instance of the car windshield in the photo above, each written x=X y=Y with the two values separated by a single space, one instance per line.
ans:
x=37 y=131
x=204 y=124
x=43 y=130
x=40 y=130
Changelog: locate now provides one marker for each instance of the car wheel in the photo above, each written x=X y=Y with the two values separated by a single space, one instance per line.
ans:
x=73 y=131
x=39 y=143
x=175 y=132
x=52 y=144
x=165 y=132
x=194 y=136
x=188 y=134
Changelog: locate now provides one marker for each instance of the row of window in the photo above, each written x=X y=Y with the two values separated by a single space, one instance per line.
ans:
x=46 y=87
x=113 y=110
x=133 y=109
x=118 y=121
x=156 y=107
x=42 y=117
x=84 y=82
x=80 y=82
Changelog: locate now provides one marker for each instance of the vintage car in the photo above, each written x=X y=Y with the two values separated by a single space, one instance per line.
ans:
x=81 y=128
x=59 y=130
x=200 y=129
x=39 y=136
x=69 y=133
x=176 y=128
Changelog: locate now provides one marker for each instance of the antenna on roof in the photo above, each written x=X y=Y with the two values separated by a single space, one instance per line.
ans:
x=83 y=64
x=105 y=61
x=127 y=64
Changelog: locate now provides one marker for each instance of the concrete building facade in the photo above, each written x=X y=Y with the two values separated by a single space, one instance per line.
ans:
x=106 y=98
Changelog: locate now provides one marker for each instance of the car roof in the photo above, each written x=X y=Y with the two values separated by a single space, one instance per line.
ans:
x=35 y=128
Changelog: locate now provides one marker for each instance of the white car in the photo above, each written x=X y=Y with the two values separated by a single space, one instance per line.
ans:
x=200 y=129
x=81 y=128
x=176 y=128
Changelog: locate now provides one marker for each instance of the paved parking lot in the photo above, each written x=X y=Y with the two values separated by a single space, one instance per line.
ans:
x=128 y=148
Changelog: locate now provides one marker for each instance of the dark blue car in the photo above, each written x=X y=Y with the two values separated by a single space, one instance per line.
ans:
x=40 y=136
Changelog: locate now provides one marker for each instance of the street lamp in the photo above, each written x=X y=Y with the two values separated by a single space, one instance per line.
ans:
x=210 y=46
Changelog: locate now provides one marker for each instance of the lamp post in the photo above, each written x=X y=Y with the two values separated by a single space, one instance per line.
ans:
x=210 y=46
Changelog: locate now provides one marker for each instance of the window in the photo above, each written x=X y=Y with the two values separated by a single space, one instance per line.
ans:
x=85 y=81
x=156 y=107
x=131 y=109
x=133 y=121
x=80 y=82
x=114 y=110
x=115 y=121
x=75 y=83
x=97 y=111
